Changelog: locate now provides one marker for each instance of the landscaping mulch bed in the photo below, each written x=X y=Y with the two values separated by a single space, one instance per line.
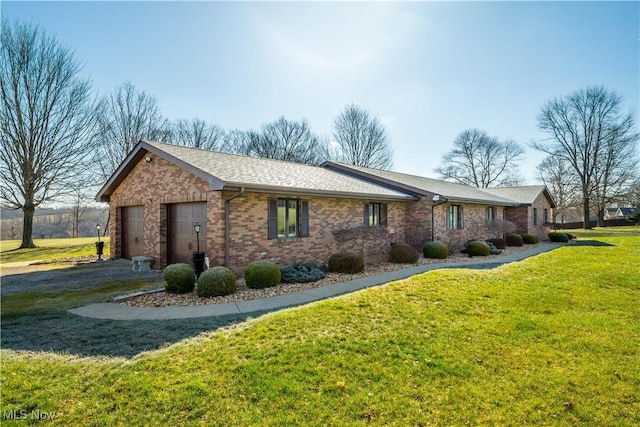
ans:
x=373 y=267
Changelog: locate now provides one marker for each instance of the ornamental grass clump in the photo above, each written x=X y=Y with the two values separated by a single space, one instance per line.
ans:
x=559 y=237
x=346 y=263
x=262 y=274
x=302 y=272
x=514 y=240
x=216 y=281
x=401 y=253
x=530 y=239
x=435 y=250
x=478 y=248
x=179 y=278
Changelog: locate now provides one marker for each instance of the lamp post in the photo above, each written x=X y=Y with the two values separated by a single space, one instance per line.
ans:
x=198 y=257
x=99 y=244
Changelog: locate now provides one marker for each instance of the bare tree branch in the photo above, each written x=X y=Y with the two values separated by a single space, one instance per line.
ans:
x=46 y=120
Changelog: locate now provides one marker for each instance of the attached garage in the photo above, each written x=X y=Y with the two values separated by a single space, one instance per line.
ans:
x=181 y=237
x=132 y=231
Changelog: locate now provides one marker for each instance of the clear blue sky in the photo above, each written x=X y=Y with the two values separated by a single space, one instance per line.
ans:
x=428 y=70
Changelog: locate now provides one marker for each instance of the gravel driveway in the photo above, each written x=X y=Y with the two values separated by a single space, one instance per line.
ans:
x=47 y=277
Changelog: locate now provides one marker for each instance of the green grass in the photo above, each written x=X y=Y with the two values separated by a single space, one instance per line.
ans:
x=552 y=340
x=47 y=249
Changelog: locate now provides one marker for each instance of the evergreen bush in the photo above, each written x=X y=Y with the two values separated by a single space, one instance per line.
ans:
x=216 y=281
x=346 y=263
x=559 y=237
x=262 y=274
x=478 y=248
x=435 y=250
x=401 y=253
x=530 y=239
x=302 y=272
x=179 y=278
x=514 y=240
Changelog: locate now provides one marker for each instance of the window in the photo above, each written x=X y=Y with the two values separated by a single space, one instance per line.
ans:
x=455 y=220
x=375 y=214
x=288 y=218
x=491 y=213
x=545 y=215
x=535 y=216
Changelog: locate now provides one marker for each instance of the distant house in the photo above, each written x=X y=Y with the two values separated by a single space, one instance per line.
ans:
x=617 y=213
x=253 y=208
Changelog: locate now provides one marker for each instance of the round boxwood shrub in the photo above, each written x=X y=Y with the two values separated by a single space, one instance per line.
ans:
x=216 y=281
x=514 y=240
x=401 y=253
x=559 y=237
x=302 y=272
x=435 y=249
x=498 y=243
x=346 y=263
x=180 y=278
x=478 y=248
x=262 y=274
x=530 y=239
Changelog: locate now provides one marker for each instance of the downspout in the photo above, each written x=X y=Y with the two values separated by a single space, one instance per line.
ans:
x=227 y=225
x=433 y=221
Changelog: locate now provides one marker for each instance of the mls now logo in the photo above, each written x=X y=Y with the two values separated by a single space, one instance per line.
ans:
x=23 y=414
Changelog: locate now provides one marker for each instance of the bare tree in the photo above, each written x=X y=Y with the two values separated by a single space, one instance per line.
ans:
x=284 y=140
x=582 y=128
x=125 y=117
x=556 y=173
x=482 y=161
x=362 y=139
x=45 y=117
x=197 y=133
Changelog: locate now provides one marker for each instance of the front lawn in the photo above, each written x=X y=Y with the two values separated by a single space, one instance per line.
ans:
x=48 y=249
x=552 y=340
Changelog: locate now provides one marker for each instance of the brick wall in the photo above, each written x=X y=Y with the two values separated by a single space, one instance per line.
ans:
x=249 y=240
x=153 y=185
x=475 y=225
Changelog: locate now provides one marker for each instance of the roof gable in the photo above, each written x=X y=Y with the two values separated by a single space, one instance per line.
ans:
x=233 y=171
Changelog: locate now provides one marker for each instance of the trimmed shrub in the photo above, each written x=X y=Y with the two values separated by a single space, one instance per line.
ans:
x=346 y=263
x=401 y=253
x=179 y=278
x=262 y=274
x=302 y=272
x=435 y=250
x=216 y=281
x=559 y=237
x=530 y=239
x=493 y=250
x=498 y=243
x=570 y=236
x=514 y=240
x=478 y=248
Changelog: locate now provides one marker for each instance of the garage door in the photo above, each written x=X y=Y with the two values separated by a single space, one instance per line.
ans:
x=181 y=237
x=132 y=231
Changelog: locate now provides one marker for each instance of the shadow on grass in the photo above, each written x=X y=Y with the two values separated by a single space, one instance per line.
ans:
x=590 y=243
x=61 y=332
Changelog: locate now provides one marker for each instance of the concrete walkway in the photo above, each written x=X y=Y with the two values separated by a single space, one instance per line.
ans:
x=124 y=312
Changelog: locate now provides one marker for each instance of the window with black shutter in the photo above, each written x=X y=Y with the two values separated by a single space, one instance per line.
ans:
x=288 y=218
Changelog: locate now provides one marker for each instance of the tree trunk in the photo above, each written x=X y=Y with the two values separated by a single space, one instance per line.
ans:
x=587 y=220
x=27 y=228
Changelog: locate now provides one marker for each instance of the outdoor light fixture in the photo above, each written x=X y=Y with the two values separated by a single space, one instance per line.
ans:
x=99 y=244
x=198 y=257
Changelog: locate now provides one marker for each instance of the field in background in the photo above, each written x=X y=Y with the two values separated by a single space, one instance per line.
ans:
x=49 y=249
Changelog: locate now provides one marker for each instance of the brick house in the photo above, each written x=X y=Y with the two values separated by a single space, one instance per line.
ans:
x=459 y=213
x=253 y=209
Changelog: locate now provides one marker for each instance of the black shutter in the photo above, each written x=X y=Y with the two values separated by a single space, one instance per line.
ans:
x=383 y=214
x=366 y=214
x=304 y=218
x=273 y=219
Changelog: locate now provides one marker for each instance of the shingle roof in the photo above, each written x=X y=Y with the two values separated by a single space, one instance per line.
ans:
x=230 y=171
x=526 y=194
x=426 y=186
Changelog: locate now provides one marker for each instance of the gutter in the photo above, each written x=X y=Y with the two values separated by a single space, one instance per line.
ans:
x=227 y=225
